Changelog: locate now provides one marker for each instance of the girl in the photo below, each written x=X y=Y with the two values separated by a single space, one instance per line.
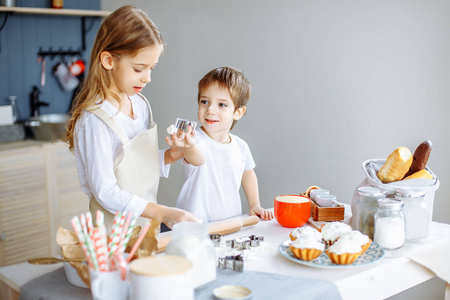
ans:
x=111 y=129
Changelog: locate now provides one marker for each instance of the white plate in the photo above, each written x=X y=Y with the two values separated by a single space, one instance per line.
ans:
x=374 y=253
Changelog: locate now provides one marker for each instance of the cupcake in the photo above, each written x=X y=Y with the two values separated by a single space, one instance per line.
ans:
x=361 y=239
x=305 y=231
x=306 y=247
x=344 y=252
x=331 y=232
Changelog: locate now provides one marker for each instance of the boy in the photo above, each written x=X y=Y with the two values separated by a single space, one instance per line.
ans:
x=217 y=162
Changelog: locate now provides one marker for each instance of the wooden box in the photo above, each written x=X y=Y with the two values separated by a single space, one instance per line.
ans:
x=319 y=213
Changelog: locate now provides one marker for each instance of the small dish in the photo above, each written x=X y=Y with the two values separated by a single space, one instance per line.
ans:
x=326 y=200
x=232 y=292
x=73 y=277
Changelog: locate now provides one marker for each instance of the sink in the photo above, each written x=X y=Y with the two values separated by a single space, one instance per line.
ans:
x=48 y=127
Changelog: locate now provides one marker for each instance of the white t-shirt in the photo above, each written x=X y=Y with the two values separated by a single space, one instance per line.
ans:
x=96 y=148
x=211 y=191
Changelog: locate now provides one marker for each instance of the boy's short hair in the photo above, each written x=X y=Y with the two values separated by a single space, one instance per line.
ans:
x=231 y=79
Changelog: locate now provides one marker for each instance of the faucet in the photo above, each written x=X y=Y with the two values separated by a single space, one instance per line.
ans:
x=35 y=103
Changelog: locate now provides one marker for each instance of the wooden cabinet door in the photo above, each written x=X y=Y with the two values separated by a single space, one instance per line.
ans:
x=24 y=210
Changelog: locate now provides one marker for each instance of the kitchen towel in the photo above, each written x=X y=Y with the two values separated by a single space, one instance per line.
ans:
x=54 y=286
x=271 y=286
x=432 y=252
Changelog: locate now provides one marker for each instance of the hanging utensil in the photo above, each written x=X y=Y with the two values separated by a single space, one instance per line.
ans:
x=41 y=60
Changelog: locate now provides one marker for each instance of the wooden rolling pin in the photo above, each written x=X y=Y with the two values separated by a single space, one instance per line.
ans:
x=223 y=227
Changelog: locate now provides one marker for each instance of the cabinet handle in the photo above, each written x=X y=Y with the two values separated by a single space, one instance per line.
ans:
x=2 y=236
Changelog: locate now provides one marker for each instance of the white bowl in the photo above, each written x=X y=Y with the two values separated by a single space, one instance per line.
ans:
x=73 y=277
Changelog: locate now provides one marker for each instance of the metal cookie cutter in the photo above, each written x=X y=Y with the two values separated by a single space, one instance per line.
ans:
x=183 y=124
x=233 y=262
x=245 y=242
x=216 y=238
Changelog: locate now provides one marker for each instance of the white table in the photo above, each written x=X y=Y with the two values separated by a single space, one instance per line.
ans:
x=378 y=280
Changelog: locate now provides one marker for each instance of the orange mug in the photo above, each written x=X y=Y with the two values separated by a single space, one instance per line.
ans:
x=292 y=210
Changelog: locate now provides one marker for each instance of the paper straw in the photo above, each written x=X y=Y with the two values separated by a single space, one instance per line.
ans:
x=138 y=242
x=78 y=230
x=122 y=264
x=115 y=237
x=90 y=225
x=125 y=241
x=114 y=230
x=88 y=233
x=100 y=242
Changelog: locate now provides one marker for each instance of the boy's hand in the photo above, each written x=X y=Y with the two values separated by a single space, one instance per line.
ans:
x=261 y=212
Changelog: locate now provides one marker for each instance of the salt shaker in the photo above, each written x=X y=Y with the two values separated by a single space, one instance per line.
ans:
x=365 y=207
x=191 y=240
x=416 y=213
x=390 y=226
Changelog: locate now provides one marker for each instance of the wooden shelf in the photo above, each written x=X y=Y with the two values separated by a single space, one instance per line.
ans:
x=55 y=11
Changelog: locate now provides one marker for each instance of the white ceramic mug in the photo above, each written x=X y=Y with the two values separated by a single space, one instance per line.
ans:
x=161 y=277
x=108 y=285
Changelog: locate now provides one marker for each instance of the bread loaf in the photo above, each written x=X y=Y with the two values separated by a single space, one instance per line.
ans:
x=423 y=174
x=420 y=157
x=396 y=166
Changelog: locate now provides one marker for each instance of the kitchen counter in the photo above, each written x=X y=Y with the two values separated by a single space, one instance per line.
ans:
x=378 y=280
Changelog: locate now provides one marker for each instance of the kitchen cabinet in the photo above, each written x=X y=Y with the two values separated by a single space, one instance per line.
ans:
x=39 y=192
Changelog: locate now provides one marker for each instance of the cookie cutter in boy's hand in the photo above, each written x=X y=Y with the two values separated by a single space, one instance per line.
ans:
x=244 y=242
x=183 y=124
x=233 y=262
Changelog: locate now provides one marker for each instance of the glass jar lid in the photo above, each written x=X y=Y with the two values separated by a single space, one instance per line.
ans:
x=390 y=204
x=369 y=191
x=410 y=193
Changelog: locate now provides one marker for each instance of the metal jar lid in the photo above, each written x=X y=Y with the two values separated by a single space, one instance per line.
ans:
x=390 y=204
x=369 y=191
x=410 y=193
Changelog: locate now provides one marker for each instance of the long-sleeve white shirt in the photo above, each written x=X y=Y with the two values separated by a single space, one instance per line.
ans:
x=97 y=147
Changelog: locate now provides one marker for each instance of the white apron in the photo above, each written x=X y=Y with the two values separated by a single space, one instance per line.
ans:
x=136 y=168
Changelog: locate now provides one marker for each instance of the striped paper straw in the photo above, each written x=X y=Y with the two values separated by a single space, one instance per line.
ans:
x=114 y=229
x=124 y=242
x=77 y=227
x=115 y=237
x=138 y=242
x=90 y=225
x=100 y=242
x=88 y=233
x=122 y=263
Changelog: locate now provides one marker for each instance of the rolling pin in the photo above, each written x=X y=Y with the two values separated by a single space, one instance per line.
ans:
x=223 y=227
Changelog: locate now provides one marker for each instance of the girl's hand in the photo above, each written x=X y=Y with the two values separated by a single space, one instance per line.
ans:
x=261 y=212
x=171 y=216
x=176 y=150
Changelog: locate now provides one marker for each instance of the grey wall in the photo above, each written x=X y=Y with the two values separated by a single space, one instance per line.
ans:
x=334 y=83
x=21 y=39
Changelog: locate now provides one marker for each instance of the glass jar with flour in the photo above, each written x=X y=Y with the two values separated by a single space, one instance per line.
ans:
x=191 y=240
x=365 y=207
x=416 y=213
x=390 y=229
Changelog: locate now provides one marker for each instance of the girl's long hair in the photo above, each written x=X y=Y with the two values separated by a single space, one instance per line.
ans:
x=124 y=32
